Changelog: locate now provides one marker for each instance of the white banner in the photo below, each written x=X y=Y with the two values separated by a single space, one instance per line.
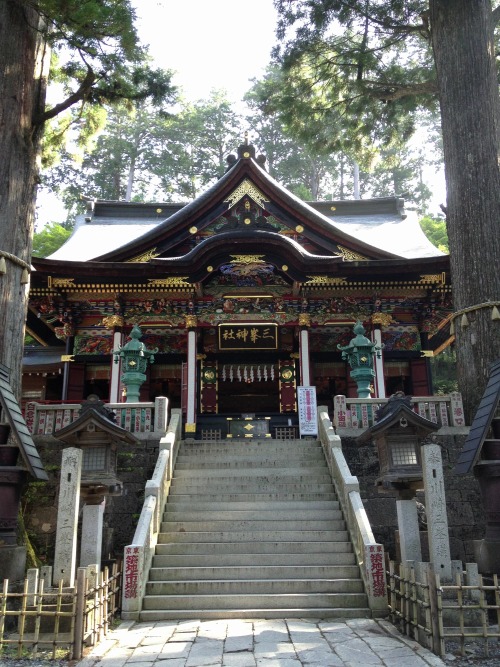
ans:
x=308 y=410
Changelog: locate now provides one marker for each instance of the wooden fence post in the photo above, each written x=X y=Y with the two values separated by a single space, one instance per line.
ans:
x=81 y=585
x=437 y=640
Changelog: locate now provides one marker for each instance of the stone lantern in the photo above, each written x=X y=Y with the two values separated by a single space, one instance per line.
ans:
x=135 y=359
x=398 y=435
x=410 y=459
x=359 y=353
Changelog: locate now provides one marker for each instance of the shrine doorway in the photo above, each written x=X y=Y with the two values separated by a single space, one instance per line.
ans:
x=236 y=388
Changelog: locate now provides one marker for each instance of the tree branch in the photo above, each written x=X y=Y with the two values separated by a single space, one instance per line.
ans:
x=387 y=92
x=495 y=15
x=74 y=98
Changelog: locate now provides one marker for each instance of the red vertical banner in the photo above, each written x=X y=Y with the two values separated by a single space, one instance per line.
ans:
x=287 y=385
x=208 y=387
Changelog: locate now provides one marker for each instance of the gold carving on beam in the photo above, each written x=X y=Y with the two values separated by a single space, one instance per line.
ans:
x=62 y=282
x=113 y=321
x=324 y=280
x=175 y=281
x=249 y=189
x=247 y=259
x=439 y=278
x=191 y=321
x=350 y=255
x=304 y=320
x=384 y=319
x=145 y=257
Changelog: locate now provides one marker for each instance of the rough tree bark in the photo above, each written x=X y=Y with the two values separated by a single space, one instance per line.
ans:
x=23 y=63
x=462 y=40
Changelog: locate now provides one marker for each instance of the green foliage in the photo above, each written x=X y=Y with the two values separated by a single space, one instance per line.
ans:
x=444 y=372
x=351 y=76
x=435 y=230
x=49 y=239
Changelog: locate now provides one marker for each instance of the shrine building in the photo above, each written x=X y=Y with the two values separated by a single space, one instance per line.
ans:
x=247 y=292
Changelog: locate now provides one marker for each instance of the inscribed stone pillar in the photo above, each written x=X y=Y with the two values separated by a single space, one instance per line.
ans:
x=409 y=534
x=67 y=516
x=91 y=545
x=435 y=507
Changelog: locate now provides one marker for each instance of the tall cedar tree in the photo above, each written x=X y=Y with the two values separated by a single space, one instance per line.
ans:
x=106 y=64
x=392 y=57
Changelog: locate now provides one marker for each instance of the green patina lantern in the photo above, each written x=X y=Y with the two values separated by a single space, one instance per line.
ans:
x=135 y=358
x=359 y=353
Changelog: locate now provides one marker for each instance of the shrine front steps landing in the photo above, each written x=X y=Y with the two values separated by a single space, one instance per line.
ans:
x=253 y=529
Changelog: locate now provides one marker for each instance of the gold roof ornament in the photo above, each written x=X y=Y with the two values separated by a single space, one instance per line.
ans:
x=173 y=281
x=304 y=320
x=246 y=188
x=145 y=257
x=247 y=259
x=319 y=281
x=439 y=278
x=350 y=255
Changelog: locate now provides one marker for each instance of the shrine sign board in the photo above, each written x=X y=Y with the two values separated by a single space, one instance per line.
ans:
x=308 y=410
x=248 y=336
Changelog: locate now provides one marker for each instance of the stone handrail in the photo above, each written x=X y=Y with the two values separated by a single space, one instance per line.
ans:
x=47 y=419
x=369 y=554
x=139 y=554
x=360 y=412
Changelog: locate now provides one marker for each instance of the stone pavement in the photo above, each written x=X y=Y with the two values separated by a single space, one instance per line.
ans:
x=262 y=643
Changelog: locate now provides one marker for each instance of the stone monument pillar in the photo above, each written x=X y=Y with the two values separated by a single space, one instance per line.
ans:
x=435 y=504
x=409 y=532
x=91 y=544
x=67 y=517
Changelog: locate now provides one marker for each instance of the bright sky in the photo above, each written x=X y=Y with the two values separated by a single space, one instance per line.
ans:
x=209 y=43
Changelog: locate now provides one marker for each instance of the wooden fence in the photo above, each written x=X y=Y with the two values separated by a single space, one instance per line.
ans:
x=433 y=613
x=58 y=621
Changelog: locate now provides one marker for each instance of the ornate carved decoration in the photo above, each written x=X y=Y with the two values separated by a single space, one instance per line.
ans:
x=304 y=320
x=113 y=321
x=324 y=281
x=61 y=282
x=249 y=189
x=350 y=255
x=247 y=259
x=384 y=319
x=175 y=281
x=145 y=257
x=191 y=321
x=439 y=278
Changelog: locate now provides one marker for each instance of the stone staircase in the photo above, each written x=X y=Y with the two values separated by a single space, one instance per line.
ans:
x=253 y=529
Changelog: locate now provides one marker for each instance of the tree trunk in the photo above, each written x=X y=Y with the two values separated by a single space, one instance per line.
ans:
x=464 y=52
x=23 y=63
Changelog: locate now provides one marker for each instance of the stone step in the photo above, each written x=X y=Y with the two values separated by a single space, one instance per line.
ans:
x=151 y=615
x=186 y=487
x=241 y=547
x=269 y=535
x=195 y=505
x=272 y=496
x=246 y=587
x=247 y=463
x=258 y=601
x=252 y=526
x=252 y=572
x=226 y=561
x=248 y=454
x=270 y=515
x=291 y=473
x=257 y=444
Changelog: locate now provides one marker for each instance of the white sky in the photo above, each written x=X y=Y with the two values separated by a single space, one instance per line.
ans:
x=209 y=43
